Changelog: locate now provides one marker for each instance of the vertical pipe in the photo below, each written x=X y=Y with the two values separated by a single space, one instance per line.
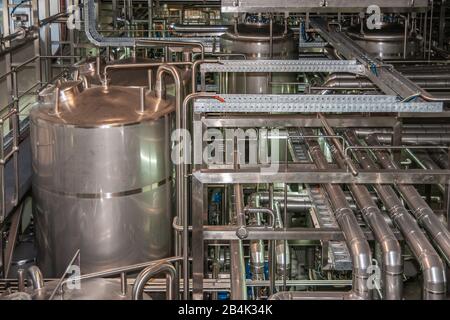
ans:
x=431 y=31
x=181 y=206
x=150 y=17
x=272 y=247
x=123 y=284
x=405 y=37
x=238 y=286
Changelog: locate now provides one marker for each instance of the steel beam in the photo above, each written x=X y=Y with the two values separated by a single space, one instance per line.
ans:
x=213 y=233
x=253 y=6
x=325 y=176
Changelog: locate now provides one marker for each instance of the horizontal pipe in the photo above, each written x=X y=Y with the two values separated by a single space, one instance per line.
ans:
x=291 y=295
x=186 y=28
x=417 y=138
x=364 y=132
x=362 y=83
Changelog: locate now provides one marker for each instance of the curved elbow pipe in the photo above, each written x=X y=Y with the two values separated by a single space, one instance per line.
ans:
x=354 y=237
x=392 y=253
x=35 y=275
x=152 y=271
x=420 y=209
x=434 y=278
x=434 y=283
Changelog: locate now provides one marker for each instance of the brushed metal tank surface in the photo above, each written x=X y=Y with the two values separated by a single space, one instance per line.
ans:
x=91 y=289
x=253 y=40
x=386 y=42
x=101 y=180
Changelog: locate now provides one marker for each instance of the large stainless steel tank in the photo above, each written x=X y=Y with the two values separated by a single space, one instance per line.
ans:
x=253 y=40
x=386 y=42
x=101 y=179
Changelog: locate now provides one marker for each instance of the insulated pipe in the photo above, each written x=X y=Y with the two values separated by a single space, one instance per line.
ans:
x=417 y=139
x=283 y=254
x=354 y=237
x=420 y=209
x=434 y=282
x=392 y=253
x=257 y=256
x=441 y=158
x=298 y=202
x=426 y=162
x=348 y=84
x=350 y=81
x=364 y=132
x=150 y=272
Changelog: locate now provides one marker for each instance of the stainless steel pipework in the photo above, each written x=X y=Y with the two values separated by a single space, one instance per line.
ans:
x=421 y=210
x=424 y=159
x=417 y=138
x=137 y=66
x=195 y=65
x=434 y=283
x=35 y=275
x=257 y=248
x=441 y=158
x=199 y=29
x=329 y=130
x=182 y=112
x=37 y=280
x=282 y=252
x=358 y=246
x=291 y=295
x=172 y=43
x=238 y=287
x=392 y=283
x=181 y=184
x=352 y=82
x=145 y=275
